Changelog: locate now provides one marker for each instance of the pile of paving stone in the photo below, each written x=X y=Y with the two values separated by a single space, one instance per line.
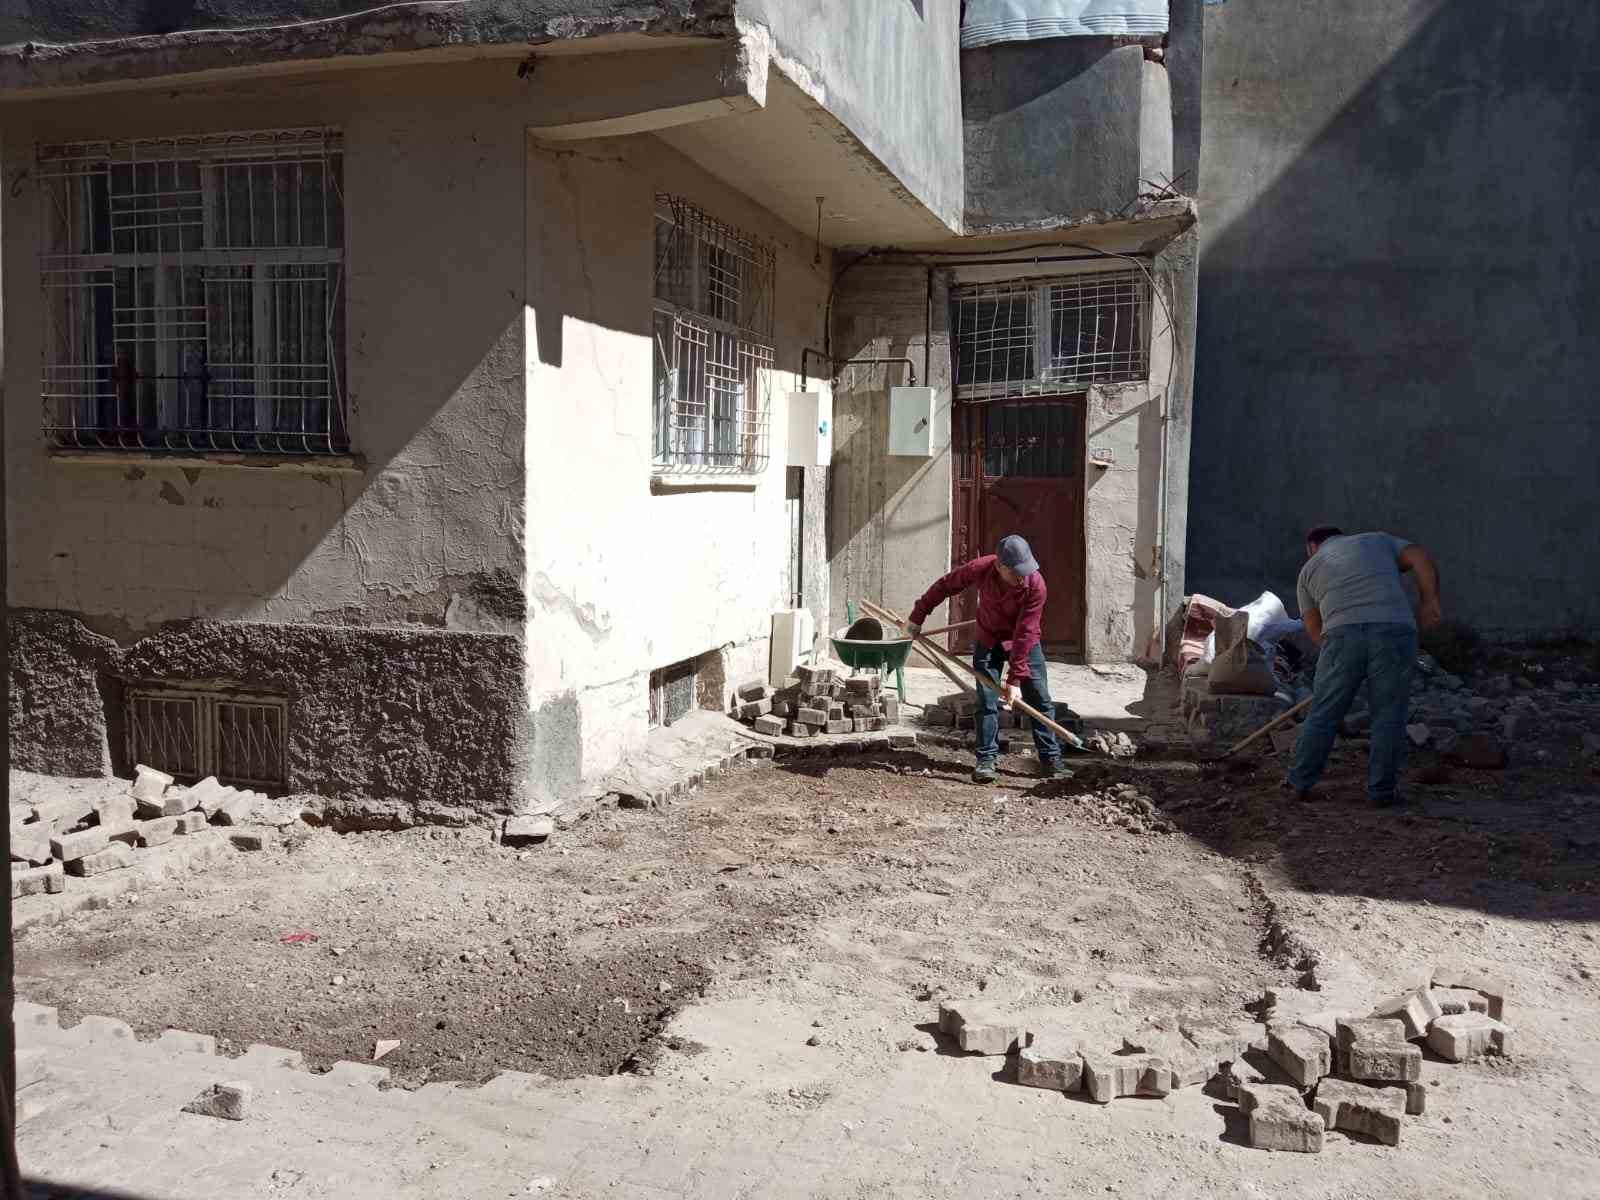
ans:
x=80 y=836
x=959 y=710
x=1294 y=1075
x=815 y=700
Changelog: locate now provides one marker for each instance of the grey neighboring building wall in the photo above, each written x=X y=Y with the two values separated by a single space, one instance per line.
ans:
x=1397 y=279
x=1069 y=129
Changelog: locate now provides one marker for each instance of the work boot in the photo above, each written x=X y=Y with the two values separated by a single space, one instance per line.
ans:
x=983 y=773
x=1293 y=792
x=1051 y=768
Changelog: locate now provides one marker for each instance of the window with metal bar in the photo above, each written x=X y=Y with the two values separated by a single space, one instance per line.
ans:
x=192 y=732
x=713 y=343
x=194 y=293
x=1032 y=336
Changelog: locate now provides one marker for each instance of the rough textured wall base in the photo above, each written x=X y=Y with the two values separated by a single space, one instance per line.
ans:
x=423 y=725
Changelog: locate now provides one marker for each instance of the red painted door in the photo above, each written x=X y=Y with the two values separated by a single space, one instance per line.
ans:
x=1019 y=469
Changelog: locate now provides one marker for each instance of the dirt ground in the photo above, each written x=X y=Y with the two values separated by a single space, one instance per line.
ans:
x=859 y=890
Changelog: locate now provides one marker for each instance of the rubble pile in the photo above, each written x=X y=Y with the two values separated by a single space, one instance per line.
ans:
x=1478 y=724
x=1295 y=1074
x=816 y=701
x=81 y=837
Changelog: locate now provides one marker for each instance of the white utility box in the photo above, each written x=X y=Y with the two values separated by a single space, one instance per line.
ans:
x=794 y=633
x=911 y=422
x=811 y=428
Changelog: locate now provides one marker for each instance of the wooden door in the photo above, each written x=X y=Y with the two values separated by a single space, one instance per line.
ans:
x=1019 y=469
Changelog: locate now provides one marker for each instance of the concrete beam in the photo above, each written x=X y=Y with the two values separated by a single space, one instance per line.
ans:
x=652 y=90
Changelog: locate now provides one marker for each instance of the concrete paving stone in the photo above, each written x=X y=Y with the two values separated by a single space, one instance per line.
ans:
x=798 y=729
x=30 y=843
x=979 y=1029
x=1493 y=989
x=1356 y=1108
x=34 y=881
x=783 y=708
x=114 y=857
x=1460 y=1000
x=1217 y=1041
x=260 y=1054
x=1416 y=1097
x=159 y=831
x=1375 y=1050
x=208 y=795
x=841 y=726
x=70 y=846
x=191 y=822
x=1108 y=1076
x=938 y=717
x=890 y=709
x=1305 y=1054
x=173 y=803
x=237 y=809
x=526 y=831
x=861 y=712
x=861 y=726
x=1054 y=1060
x=754 y=689
x=252 y=840
x=1415 y=1008
x=149 y=783
x=1461 y=1036
x=902 y=741
x=812 y=716
x=226 y=1101
x=750 y=710
x=1279 y=1119
x=181 y=1041
x=62 y=812
x=771 y=726
x=814 y=675
x=356 y=1074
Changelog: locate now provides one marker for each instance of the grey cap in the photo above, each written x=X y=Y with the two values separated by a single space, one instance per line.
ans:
x=1014 y=553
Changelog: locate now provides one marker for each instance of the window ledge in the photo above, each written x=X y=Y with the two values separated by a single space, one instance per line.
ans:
x=298 y=464
x=668 y=482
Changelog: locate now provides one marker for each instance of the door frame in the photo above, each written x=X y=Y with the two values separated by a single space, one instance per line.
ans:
x=967 y=507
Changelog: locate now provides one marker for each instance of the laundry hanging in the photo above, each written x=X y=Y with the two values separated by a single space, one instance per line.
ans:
x=990 y=21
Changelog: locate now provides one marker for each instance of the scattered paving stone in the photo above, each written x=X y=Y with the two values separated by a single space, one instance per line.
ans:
x=979 y=1030
x=1356 y=1108
x=1416 y=1097
x=771 y=726
x=209 y=795
x=192 y=822
x=1461 y=1036
x=30 y=843
x=754 y=709
x=1279 y=1118
x=526 y=831
x=902 y=741
x=174 y=803
x=62 y=812
x=235 y=809
x=247 y=841
x=1108 y=1076
x=1460 y=1000
x=1375 y=1050
x=1493 y=989
x=149 y=784
x=812 y=716
x=114 y=857
x=1416 y=1008
x=158 y=832
x=1053 y=1061
x=1304 y=1053
x=756 y=689
x=227 y=1101
x=33 y=881
x=1419 y=734
x=70 y=846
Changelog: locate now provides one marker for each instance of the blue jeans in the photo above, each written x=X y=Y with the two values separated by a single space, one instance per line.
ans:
x=1382 y=656
x=991 y=660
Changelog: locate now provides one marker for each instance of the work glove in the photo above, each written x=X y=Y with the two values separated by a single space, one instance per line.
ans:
x=913 y=629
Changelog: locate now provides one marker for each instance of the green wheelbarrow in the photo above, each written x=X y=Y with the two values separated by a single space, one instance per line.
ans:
x=862 y=646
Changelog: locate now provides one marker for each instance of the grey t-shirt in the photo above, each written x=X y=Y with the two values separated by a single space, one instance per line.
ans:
x=1355 y=579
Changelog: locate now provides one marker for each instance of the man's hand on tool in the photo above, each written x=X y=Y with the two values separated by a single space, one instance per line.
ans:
x=913 y=629
x=1009 y=695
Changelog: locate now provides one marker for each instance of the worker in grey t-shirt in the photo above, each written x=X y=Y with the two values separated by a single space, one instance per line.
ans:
x=1355 y=607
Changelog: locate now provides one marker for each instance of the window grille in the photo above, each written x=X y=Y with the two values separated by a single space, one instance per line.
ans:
x=194 y=293
x=190 y=734
x=713 y=343
x=672 y=693
x=1032 y=337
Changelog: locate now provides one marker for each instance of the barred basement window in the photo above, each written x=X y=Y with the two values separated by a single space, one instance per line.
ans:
x=713 y=343
x=194 y=293
x=192 y=733
x=1029 y=336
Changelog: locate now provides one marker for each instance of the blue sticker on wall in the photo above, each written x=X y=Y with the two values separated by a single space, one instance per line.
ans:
x=823 y=429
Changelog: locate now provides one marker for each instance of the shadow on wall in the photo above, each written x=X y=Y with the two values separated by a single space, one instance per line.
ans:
x=1393 y=334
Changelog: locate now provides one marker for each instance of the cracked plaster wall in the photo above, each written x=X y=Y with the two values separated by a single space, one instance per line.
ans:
x=622 y=580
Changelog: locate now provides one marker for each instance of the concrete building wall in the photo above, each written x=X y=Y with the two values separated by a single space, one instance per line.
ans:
x=1394 y=301
x=889 y=70
x=891 y=517
x=623 y=579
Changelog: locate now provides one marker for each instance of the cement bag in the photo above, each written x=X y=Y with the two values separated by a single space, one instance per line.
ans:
x=1269 y=620
x=1241 y=667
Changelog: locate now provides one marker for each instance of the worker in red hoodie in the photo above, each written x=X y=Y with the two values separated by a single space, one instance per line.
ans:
x=1011 y=595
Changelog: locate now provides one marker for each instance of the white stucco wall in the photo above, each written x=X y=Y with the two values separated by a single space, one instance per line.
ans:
x=622 y=580
x=433 y=187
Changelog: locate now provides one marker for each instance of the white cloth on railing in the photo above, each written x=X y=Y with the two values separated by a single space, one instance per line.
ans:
x=990 y=21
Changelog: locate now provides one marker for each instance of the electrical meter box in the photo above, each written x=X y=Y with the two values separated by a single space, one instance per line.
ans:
x=810 y=428
x=911 y=422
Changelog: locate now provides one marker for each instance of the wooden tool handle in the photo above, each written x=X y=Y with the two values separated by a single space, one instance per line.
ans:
x=1270 y=726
